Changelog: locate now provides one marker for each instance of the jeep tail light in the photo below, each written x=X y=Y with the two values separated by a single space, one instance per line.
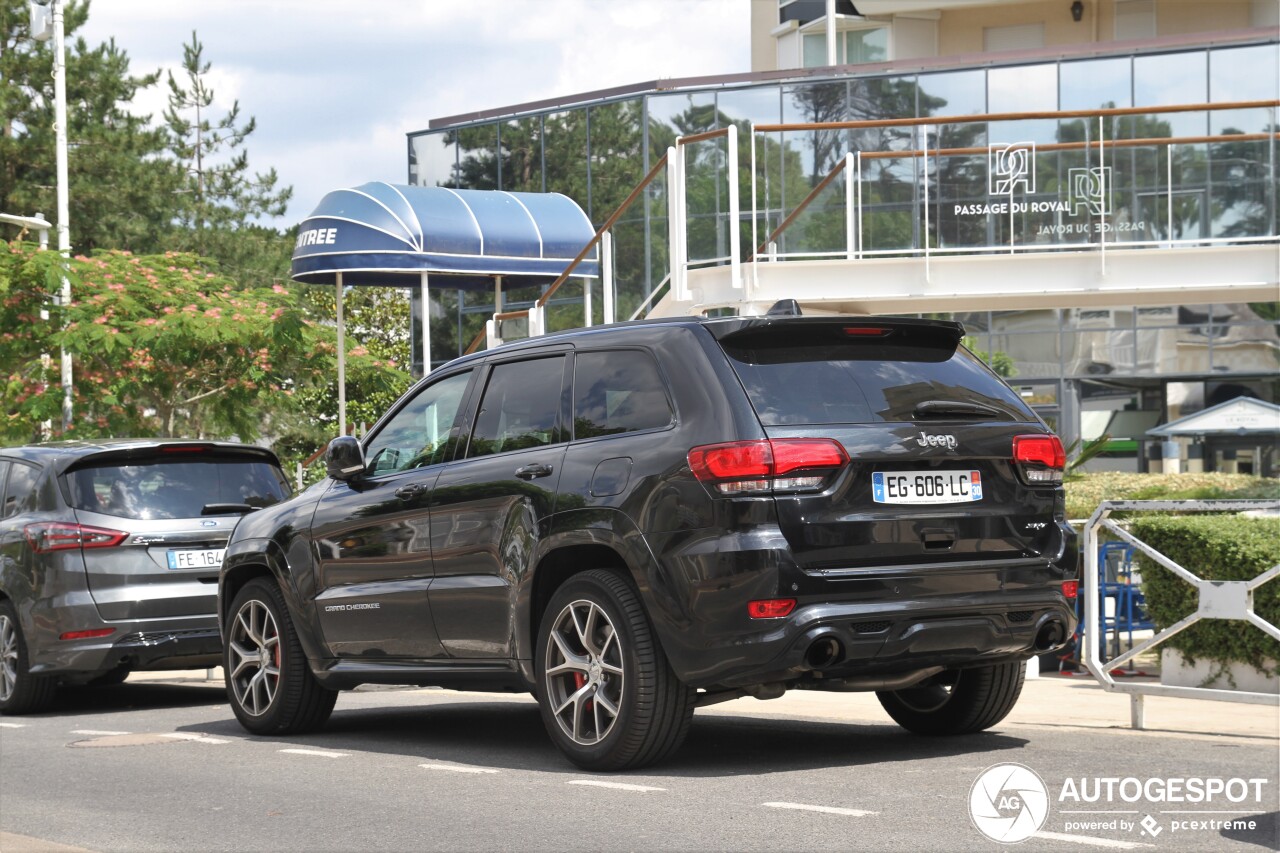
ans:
x=771 y=608
x=1040 y=459
x=87 y=635
x=767 y=465
x=1070 y=589
x=46 y=536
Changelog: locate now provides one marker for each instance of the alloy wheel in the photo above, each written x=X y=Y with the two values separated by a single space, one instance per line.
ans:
x=254 y=656
x=584 y=672
x=8 y=657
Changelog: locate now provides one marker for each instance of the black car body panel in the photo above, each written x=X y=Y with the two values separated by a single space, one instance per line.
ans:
x=437 y=570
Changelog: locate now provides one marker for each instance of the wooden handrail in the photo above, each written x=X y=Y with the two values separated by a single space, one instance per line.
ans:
x=608 y=223
x=987 y=117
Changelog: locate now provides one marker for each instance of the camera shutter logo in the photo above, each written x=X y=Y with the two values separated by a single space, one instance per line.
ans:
x=1088 y=187
x=1008 y=803
x=1011 y=166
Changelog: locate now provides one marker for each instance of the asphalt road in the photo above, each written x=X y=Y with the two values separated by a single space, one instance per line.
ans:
x=165 y=767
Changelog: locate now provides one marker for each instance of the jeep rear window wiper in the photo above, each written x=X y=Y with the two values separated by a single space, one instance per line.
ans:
x=954 y=409
x=226 y=509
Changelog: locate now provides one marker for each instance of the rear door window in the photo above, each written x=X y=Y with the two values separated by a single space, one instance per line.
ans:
x=520 y=408
x=174 y=487
x=20 y=491
x=817 y=375
x=617 y=392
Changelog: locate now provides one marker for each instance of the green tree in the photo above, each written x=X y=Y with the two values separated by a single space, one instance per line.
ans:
x=121 y=187
x=220 y=193
x=161 y=345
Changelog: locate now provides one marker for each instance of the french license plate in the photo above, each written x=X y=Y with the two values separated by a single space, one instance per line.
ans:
x=208 y=558
x=926 y=487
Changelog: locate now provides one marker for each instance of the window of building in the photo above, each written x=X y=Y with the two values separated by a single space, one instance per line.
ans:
x=520 y=408
x=853 y=46
x=617 y=392
x=1020 y=37
x=1135 y=19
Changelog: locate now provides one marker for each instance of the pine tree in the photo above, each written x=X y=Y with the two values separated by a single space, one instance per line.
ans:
x=221 y=195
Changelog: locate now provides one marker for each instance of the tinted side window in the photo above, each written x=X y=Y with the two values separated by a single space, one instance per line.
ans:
x=20 y=492
x=617 y=392
x=520 y=407
x=418 y=434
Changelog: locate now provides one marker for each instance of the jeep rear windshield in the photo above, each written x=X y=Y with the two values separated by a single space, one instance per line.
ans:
x=174 y=487
x=828 y=373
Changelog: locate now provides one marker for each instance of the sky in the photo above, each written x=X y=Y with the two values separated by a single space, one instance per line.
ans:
x=336 y=84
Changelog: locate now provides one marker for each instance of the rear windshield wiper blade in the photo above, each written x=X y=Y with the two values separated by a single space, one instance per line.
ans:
x=226 y=509
x=954 y=409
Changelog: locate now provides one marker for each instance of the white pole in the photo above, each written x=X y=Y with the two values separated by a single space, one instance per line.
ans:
x=735 y=212
x=831 y=32
x=755 y=239
x=850 y=187
x=925 y=148
x=64 y=217
x=606 y=273
x=342 y=362
x=587 y=308
x=1102 y=185
x=426 y=322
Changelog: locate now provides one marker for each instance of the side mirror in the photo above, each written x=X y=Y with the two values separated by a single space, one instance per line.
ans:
x=344 y=460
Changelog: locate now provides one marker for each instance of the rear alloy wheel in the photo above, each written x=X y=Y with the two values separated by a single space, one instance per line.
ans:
x=957 y=702
x=20 y=691
x=272 y=690
x=608 y=697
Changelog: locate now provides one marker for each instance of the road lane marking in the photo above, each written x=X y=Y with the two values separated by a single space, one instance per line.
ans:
x=13 y=725
x=315 y=752
x=458 y=768
x=95 y=732
x=192 y=737
x=621 y=786
x=1109 y=843
x=824 y=809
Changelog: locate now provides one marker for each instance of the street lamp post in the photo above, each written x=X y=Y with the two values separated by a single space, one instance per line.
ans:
x=40 y=32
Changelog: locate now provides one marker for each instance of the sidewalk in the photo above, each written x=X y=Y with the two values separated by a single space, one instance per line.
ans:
x=1055 y=701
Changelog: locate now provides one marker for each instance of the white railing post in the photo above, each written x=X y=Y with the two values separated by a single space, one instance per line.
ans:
x=587 y=308
x=606 y=273
x=537 y=321
x=675 y=221
x=850 y=190
x=924 y=132
x=859 y=202
x=755 y=238
x=491 y=337
x=1102 y=193
x=735 y=212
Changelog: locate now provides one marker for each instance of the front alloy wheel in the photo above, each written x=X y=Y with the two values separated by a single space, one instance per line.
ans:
x=269 y=683
x=584 y=672
x=253 y=652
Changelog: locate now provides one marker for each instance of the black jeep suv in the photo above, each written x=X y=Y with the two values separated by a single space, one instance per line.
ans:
x=634 y=520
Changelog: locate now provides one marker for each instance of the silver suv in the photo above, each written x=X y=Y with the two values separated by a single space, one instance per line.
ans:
x=109 y=557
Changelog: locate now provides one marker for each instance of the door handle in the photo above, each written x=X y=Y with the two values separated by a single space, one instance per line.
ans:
x=411 y=491
x=534 y=471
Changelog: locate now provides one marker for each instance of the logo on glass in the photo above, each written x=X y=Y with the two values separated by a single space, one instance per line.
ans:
x=1011 y=166
x=1088 y=188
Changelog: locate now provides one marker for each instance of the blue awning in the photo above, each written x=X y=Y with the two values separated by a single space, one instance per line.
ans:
x=385 y=234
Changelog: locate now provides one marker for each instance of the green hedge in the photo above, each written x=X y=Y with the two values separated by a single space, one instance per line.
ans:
x=1223 y=547
x=1086 y=491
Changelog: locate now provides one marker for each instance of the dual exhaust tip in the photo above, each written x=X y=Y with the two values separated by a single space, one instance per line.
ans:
x=826 y=650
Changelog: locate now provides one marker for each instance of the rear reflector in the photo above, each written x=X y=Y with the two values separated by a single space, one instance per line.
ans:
x=87 y=635
x=1070 y=589
x=771 y=608
x=46 y=536
x=739 y=467
x=1040 y=459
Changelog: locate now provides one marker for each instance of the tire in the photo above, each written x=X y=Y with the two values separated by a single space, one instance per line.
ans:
x=959 y=702
x=269 y=685
x=608 y=697
x=20 y=691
